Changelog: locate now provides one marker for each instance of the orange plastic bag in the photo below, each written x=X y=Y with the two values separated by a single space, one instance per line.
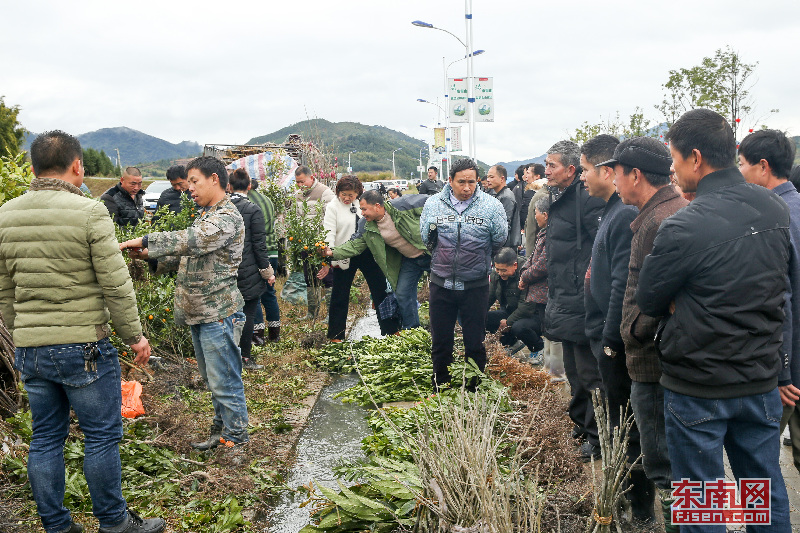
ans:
x=132 y=399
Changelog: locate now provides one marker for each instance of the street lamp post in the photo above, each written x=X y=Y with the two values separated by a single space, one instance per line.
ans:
x=394 y=174
x=446 y=148
x=349 y=168
x=469 y=54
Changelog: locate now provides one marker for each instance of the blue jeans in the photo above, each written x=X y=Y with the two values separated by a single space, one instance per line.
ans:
x=55 y=379
x=220 y=363
x=748 y=428
x=406 y=291
x=647 y=402
x=269 y=300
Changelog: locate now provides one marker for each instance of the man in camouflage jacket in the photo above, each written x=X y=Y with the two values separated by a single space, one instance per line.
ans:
x=207 y=299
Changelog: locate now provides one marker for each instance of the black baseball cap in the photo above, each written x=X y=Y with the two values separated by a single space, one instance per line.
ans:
x=645 y=153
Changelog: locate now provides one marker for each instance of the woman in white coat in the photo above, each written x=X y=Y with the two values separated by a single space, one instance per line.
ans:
x=341 y=217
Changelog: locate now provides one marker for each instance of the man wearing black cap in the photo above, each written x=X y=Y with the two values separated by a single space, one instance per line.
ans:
x=642 y=178
x=718 y=276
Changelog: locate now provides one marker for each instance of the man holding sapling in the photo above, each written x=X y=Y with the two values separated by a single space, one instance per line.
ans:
x=207 y=299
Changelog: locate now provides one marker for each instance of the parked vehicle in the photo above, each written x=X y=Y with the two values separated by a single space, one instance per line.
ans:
x=152 y=193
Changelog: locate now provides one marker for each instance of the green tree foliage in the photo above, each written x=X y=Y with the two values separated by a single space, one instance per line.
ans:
x=636 y=126
x=721 y=83
x=97 y=163
x=15 y=176
x=11 y=131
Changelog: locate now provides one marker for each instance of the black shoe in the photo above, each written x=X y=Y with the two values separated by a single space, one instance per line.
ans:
x=73 y=528
x=134 y=524
x=578 y=434
x=212 y=442
x=250 y=364
x=258 y=336
x=642 y=497
x=589 y=452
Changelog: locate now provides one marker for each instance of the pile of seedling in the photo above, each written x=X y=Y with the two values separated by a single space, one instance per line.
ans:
x=497 y=460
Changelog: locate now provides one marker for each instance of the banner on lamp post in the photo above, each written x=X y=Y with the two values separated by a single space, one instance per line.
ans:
x=438 y=139
x=484 y=100
x=458 y=100
x=455 y=139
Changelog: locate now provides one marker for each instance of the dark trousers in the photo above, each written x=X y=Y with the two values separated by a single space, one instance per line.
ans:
x=647 y=400
x=617 y=390
x=528 y=330
x=246 y=342
x=340 y=294
x=583 y=375
x=446 y=306
x=269 y=299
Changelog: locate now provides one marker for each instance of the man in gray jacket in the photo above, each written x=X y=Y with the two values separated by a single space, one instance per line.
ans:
x=496 y=178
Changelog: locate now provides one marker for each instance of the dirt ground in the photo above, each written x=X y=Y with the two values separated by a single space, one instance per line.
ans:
x=178 y=410
x=280 y=397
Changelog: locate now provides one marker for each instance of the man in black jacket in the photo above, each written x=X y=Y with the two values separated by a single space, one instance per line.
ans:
x=516 y=318
x=607 y=278
x=431 y=185
x=572 y=226
x=255 y=270
x=125 y=200
x=179 y=185
x=717 y=273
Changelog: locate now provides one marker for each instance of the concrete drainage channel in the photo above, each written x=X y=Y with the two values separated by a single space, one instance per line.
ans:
x=333 y=432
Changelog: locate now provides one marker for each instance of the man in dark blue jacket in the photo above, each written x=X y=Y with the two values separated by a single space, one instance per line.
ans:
x=571 y=228
x=765 y=158
x=179 y=187
x=718 y=274
x=607 y=277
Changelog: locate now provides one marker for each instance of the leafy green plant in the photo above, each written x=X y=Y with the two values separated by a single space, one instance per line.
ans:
x=155 y=294
x=305 y=234
x=15 y=176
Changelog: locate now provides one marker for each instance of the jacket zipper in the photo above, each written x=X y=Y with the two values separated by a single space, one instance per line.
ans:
x=458 y=249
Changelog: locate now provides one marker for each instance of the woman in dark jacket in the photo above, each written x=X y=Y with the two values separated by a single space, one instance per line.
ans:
x=255 y=270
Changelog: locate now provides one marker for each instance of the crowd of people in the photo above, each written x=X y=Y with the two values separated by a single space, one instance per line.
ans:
x=658 y=273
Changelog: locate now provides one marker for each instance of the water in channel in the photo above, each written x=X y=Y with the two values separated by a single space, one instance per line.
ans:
x=334 y=432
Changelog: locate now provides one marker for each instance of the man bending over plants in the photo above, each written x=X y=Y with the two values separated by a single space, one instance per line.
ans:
x=207 y=256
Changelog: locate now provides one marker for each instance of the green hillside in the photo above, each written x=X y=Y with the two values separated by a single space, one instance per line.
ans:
x=134 y=146
x=797 y=151
x=373 y=145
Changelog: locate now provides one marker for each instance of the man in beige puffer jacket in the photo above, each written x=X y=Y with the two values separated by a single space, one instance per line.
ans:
x=62 y=277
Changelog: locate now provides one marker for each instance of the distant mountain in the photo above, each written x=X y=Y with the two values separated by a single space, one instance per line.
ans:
x=511 y=166
x=373 y=145
x=134 y=146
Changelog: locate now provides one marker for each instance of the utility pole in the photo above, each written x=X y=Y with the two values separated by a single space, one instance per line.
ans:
x=119 y=161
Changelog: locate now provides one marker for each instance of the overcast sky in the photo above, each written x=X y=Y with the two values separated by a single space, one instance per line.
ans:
x=228 y=71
